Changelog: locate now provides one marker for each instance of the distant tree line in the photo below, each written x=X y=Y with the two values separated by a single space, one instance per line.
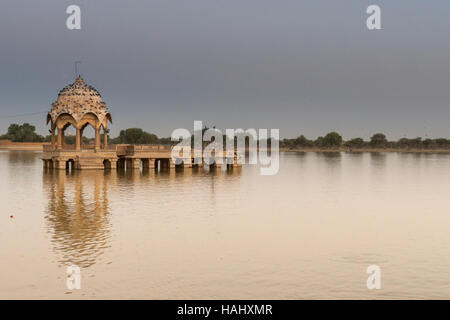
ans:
x=377 y=141
x=333 y=140
x=27 y=133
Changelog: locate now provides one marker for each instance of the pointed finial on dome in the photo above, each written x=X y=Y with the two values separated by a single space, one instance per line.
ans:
x=79 y=79
x=76 y=69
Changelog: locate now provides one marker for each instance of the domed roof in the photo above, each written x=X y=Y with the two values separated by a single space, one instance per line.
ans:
x=77 y=99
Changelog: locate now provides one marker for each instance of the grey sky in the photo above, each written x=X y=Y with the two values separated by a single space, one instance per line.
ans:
x=306 y=67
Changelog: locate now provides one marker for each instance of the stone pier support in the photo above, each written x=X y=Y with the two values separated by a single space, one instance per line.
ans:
x=113 y=163
x=187 y=163
x=151 y=163
x=197 y=164
x=60 y=164
x=133 y=164
x=145 y=164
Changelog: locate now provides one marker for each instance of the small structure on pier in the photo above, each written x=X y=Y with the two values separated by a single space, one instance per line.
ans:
x=80 y=105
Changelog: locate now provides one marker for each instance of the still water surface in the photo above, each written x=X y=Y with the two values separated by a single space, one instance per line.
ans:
x=309 y=232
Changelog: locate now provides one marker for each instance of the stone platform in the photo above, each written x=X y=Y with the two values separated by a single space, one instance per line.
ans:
x=124 y=156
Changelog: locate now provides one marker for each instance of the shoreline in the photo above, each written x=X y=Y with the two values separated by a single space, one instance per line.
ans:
x=29 y=147
x=21 y=148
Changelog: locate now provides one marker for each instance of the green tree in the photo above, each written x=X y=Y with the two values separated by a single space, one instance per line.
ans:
x=378 y=140
x=319 y=142
x=429 y=144
x=332 y=139
x=22 y=133
x=136 y=136
x=405 y=143
x=302 y=141
x=355 y=143
x=442 y=143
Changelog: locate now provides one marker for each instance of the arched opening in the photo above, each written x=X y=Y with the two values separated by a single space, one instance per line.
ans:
x=48 y=164
x=89 y=131
x=69 y=133
x=65 y=124
x=87 y=136
x=107 y=164
x=70 y=165
x=145 y=164
x=121 y=163
x=164 y=164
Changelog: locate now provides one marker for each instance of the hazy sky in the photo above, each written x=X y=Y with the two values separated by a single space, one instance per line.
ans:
x=303 y=66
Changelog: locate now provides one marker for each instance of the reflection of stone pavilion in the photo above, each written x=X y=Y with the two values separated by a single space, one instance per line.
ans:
x=80 y=105
x=77 y=215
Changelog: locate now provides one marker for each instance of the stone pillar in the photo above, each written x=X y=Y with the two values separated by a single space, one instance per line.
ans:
x=60 y=139
x=78 y=140
x=105 y=139
x=63 y=137
x=97 y=139
x=171 y=163
x=53 y=138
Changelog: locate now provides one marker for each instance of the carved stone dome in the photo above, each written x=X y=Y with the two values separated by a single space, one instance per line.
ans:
x=77 y=100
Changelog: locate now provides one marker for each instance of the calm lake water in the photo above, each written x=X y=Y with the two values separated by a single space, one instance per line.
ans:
x=309 y=232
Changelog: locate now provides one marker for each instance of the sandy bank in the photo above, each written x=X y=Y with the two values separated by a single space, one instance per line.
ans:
x=22 y=146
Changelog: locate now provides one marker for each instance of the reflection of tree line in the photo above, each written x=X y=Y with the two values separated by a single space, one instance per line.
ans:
x=20 y=157
x=79 y=229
